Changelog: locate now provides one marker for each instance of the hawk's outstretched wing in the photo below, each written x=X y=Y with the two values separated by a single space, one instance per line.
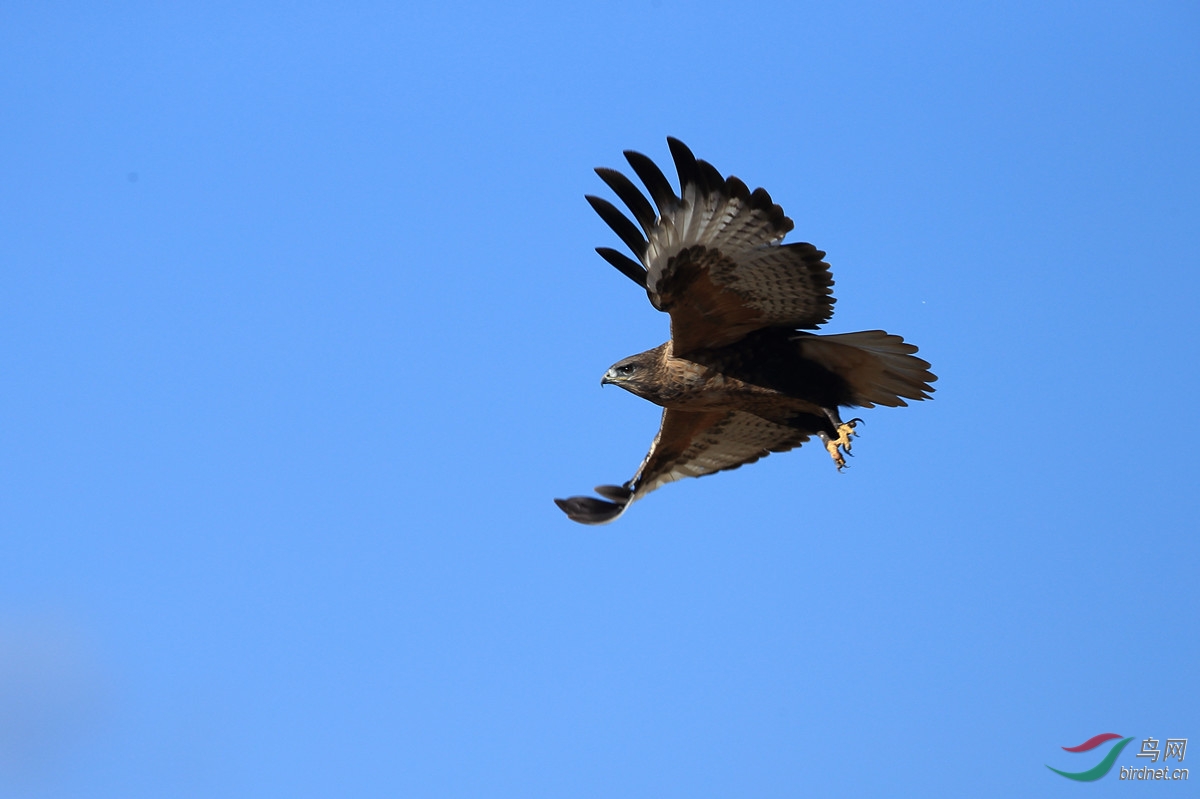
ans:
x=712 y=256
x=688 y=445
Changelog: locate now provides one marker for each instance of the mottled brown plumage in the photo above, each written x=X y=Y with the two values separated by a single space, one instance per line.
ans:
x=738 y=379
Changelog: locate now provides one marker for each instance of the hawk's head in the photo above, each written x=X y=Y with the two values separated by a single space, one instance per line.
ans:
x=638 y=374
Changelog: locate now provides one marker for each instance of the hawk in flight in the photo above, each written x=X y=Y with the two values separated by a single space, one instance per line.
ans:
x=738 y=380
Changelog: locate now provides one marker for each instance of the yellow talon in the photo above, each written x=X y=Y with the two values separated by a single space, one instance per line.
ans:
x=835 y=445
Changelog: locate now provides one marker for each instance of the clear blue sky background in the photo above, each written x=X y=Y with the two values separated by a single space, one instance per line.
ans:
x=301 y=331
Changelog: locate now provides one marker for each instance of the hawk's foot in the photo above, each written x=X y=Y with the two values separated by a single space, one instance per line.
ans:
x=836 y=446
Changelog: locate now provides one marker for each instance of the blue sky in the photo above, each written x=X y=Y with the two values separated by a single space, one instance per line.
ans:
x=301 y=330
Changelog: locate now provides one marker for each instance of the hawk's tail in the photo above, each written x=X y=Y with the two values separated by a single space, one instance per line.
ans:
x=879 y=368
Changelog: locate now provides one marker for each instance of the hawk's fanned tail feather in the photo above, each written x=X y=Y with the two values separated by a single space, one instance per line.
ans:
x=879 y=368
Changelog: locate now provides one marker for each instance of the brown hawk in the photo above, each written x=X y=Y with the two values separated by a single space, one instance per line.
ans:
x=738 y=380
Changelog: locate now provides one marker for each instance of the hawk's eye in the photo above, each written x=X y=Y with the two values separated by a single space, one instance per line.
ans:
x=625 y=371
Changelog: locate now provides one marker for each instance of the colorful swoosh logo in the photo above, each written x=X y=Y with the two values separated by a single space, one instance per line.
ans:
x=1092 y=743
x=1101 y=768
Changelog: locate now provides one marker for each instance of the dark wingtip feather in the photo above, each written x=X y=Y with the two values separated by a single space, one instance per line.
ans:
x=629 y=194
x=624 y=264
x=760 y=199
x=620 y=494
x=734 y=187
x=656 y=182
x=590 y=510
x=711 y=176
x=626 y=230
x=685 y=164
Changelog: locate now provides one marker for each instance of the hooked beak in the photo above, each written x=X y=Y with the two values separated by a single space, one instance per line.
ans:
x=608 y=378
